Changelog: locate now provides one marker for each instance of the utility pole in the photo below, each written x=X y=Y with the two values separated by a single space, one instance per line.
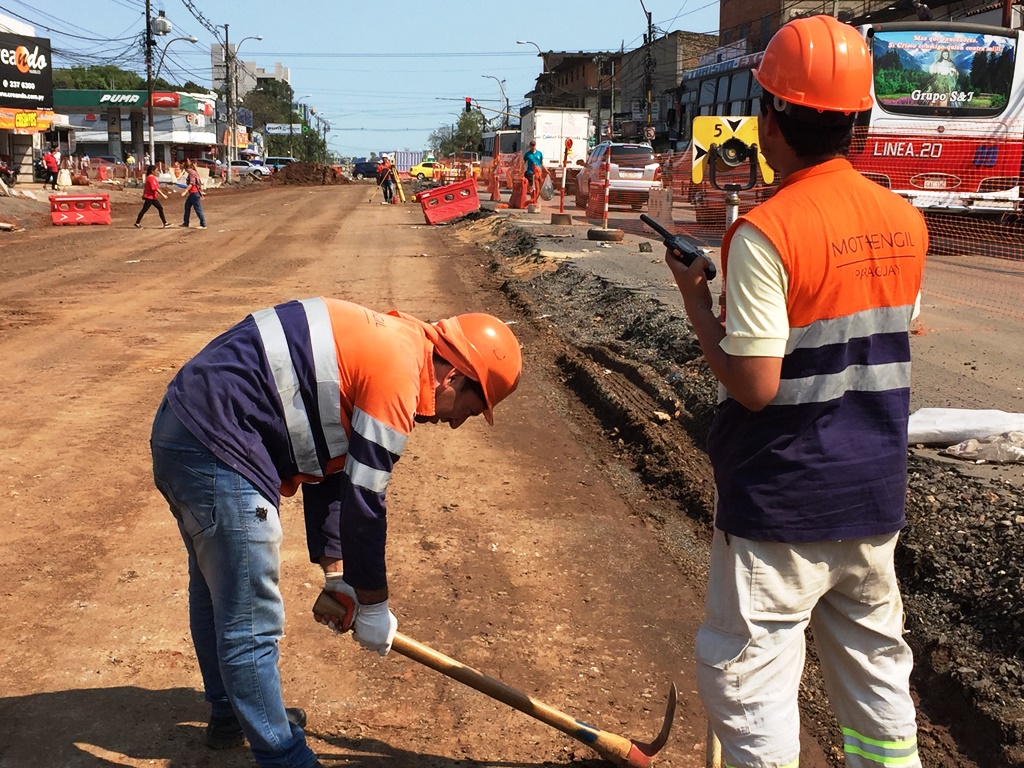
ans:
x=231 y=126
x=648 y=62
x=150 y=42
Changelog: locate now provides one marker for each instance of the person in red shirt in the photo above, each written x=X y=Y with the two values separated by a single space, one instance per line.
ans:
x=52 y=166
x=149 y=197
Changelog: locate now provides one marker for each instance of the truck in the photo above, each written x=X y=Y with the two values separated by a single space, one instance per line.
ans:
x=550 y=127
x=403 y=159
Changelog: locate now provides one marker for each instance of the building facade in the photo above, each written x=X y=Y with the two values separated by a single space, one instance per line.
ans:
x=27 y=115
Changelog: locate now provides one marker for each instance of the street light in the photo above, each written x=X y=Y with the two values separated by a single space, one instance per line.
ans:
x=501 y=85
x=229 y=76
x=191 y=38
x=154 y=26
x=291 y=131
x=543 y=64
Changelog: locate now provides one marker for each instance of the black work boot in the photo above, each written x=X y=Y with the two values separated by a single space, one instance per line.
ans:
x=226 y=732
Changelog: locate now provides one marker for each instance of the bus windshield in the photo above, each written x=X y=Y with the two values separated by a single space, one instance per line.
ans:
x=942 y=72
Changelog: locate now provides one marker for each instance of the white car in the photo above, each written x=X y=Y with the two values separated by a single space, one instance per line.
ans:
x=633 y=173
x=240 y=168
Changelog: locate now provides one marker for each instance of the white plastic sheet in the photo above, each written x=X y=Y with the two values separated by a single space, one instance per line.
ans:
x=946 y=426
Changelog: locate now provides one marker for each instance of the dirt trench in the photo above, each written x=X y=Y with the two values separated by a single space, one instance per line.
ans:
x=637 y=366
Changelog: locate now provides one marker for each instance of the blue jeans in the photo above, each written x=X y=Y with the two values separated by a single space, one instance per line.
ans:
x=194 y=201
x=236 y=614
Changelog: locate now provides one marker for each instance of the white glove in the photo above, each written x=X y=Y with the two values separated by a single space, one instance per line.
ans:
x=375 y=627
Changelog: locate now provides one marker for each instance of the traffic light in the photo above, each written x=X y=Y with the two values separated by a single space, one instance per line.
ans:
x=469 y=104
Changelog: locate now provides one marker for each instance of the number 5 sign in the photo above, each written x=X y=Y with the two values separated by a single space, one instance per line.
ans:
x=710 y=129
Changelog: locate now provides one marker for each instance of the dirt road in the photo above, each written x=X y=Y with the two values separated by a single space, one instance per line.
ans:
x=510 y=548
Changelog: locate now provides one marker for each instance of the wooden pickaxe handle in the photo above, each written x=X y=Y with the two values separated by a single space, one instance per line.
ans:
x=610 y=746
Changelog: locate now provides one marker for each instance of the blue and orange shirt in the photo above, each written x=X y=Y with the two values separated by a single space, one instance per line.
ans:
x=320 y=393
x=826 y=459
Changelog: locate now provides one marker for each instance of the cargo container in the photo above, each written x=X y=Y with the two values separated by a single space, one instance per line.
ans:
x=403 y=159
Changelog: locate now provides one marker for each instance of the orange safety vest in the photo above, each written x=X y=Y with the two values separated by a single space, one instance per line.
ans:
x=826 y=459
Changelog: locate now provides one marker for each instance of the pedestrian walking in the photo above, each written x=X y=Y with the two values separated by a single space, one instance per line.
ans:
x=533 y=169
x=320 y=394
x=193 y=195
x=809 y=443
x=52 y=166
x=150 y=191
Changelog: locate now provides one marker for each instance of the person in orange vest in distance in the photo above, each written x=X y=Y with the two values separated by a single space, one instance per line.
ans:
x=320 y=394
x=385 y=179
x=809 y=444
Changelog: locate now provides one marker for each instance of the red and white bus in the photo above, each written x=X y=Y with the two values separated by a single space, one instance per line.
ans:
x=947 y=127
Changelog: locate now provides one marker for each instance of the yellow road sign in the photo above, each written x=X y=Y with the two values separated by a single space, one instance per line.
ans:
x=712 y=129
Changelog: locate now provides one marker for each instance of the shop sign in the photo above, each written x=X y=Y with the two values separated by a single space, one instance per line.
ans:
x=26 y=77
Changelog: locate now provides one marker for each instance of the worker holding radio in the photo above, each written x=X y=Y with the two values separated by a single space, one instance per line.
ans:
x=809 y=443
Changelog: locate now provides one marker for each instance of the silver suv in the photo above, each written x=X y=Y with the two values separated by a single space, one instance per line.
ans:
x=633 y=173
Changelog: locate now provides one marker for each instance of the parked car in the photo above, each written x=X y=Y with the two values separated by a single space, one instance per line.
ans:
x=277 y=163
x=242 y=168
x=424 y=170
x=105 y=160
x=365 y=169
x=633 y=173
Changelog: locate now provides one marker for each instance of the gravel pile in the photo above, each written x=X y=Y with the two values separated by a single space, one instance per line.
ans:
x=959 y=558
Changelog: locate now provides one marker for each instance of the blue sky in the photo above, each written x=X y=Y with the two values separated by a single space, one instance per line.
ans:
x=383 y=74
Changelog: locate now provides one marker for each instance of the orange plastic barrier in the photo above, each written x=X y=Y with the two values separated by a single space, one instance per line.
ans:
x=79 y=209
x=449 y=202
x=101 y=173
x=520 y=194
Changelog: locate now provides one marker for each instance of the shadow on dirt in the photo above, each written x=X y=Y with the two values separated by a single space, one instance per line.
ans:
x=128 y=725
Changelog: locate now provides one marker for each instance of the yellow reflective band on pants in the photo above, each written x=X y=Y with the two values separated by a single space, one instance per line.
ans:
x=899 y=753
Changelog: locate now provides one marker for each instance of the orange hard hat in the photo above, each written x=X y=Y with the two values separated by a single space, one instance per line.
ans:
x=820 y=63
x=485 y=349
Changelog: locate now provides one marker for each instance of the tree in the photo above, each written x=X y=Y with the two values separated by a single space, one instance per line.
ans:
x=109 y=77
x=466 y=135
x=101 y=78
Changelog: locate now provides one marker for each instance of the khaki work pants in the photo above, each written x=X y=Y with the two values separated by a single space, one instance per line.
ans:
x=750 y=651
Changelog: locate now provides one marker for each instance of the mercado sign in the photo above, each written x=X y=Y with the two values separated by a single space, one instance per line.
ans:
x=26 y=77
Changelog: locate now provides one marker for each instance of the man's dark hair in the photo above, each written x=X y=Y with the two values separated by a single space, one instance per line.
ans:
x=810 y=133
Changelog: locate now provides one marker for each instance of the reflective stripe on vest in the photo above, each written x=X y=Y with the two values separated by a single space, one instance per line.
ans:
x=900 y=752
x=373 y=431
x=864 y=352
x=300 y=433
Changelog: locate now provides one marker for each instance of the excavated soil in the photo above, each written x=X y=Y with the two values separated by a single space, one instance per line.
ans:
x=638 y=367
x=308 y=173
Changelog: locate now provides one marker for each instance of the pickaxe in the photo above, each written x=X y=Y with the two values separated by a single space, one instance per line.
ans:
x=616 y=749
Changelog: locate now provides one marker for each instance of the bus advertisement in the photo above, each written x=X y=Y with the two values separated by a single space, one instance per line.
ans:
x=947 y=126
